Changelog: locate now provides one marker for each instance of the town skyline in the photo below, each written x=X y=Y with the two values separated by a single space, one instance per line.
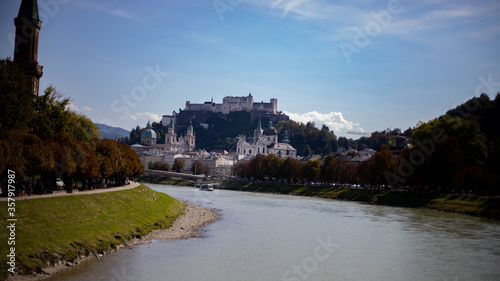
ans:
x=359 y=66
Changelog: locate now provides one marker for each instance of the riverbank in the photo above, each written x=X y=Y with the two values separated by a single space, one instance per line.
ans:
x=52 y=233
x=165 y=181
x=488 y=207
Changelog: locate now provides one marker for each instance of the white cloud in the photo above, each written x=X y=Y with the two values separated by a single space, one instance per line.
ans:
x=86 y=108
x=115 y=12
x=73 y=107
x=145 y=116
x=334 y=120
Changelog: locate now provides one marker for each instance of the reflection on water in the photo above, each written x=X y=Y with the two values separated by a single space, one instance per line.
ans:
x=274 y=237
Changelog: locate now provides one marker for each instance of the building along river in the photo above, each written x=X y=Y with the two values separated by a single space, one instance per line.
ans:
x=280 y=237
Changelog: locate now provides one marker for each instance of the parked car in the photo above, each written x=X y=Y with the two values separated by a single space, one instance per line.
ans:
x=59 y=183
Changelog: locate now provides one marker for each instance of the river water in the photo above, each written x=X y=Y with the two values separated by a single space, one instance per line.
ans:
x=278 y=237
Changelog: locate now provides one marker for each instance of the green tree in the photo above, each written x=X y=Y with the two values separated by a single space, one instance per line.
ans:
x=257 y=166
x=161 y=166
x=290 y=170
x=52 y=116
x=272 y=165
x=82 y=128
x=312 y=170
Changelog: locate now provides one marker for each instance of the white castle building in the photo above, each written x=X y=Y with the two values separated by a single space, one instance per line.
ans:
x=231 y=104
x=264 y=142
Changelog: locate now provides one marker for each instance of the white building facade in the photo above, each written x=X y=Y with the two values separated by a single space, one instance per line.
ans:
x=264 y=142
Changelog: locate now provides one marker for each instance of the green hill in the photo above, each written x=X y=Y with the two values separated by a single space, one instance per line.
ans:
x=109 y=132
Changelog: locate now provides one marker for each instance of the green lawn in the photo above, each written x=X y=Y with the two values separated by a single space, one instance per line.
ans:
x=70 y=226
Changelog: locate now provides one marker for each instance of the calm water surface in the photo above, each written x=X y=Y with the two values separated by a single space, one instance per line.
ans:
x=273 y=237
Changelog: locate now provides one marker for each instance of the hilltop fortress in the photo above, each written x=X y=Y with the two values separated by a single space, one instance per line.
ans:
x=198 y=113
x=231 y=104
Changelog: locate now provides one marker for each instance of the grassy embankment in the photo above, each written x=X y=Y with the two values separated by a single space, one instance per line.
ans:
x=476 y=206
x=52 y=229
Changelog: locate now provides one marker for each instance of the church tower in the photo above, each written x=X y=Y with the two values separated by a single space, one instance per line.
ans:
x=28 y=26
x=170 y=136
x=190 y=137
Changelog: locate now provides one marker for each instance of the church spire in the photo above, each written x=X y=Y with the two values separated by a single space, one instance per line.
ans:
x=29 y=10
x=28 y=26
x=285 y=137
x=259 y=126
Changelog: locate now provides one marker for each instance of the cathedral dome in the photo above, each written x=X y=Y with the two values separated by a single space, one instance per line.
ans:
x=148 y=133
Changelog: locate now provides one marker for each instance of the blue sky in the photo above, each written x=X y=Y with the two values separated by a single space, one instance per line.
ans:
x=352 y=65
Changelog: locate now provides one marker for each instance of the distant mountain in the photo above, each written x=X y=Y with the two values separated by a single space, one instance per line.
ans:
x=108 y=132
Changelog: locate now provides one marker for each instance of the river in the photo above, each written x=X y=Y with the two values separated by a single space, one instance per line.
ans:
x=280 y=237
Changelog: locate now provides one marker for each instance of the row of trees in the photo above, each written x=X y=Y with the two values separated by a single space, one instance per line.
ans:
x=178 y=166
x=41 y=139
x=449 y=154
x=334 y=169
x=197 y=167
x=65 y=157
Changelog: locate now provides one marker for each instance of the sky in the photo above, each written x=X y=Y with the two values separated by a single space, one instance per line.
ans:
x=357 y=65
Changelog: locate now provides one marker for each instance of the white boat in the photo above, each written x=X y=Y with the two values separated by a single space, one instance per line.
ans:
x=207 y=187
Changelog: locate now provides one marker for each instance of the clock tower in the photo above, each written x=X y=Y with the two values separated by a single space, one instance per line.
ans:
x=28 y=26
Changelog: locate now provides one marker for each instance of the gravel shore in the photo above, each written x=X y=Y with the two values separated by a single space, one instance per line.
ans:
x=185 y=226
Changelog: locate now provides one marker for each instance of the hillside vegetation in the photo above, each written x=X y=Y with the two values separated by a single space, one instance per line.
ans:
x=49 y=230
x=476 y=206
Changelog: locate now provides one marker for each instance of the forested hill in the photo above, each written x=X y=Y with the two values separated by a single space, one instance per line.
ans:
x=484 y=111
x=459 y=149
x=109 y=132
x=308 y=139
x=223 y=129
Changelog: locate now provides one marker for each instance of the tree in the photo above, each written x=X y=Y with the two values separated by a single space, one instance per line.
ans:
x=197 y=168
x=272 y=165
x=16 y=100
x=179 y=165
x=241 y=169
x=67 y=156
x=108 y=156
x=135 y=135
x=312 y=170
x=291 y=169
x=52 y=116
x=380 y=165
x=257 y=166
x=161 y=166
x=88 y=167
x=206 y=170
x=39 y=159
x=328 y=168
x=82 y=128
x=443 y=147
